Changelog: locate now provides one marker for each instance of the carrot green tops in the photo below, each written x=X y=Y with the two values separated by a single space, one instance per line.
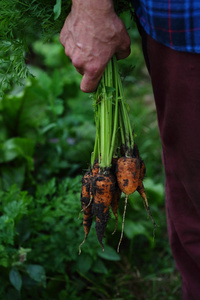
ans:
x=174 y=23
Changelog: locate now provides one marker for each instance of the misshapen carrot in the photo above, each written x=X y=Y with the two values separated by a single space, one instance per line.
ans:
x=103 y=189
x=86 y=205
x=128 y=172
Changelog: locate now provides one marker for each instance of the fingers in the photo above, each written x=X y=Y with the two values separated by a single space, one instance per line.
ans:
x=92 y=72
x=88 y=84
x=124 y=48
x=89 y=65
x=91 y=77
x=121 y=54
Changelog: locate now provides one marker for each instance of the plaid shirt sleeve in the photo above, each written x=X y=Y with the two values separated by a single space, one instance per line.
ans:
x=174 y=23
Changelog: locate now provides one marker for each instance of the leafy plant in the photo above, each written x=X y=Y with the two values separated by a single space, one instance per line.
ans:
x=40 y=234
x=21 y=23
x=43 y=125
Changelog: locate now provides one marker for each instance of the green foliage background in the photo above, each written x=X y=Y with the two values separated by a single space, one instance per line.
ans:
x=46 y=138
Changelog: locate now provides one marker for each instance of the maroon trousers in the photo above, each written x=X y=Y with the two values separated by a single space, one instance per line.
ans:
x=176 y=85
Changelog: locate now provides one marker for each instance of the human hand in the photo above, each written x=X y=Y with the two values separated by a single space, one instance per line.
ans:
x=91 y=35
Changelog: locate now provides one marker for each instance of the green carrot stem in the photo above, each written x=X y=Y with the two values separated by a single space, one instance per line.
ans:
x=106 y=130
x=106 y=117
x=129 y=127
x=96 y=145
x=115 y=123
x=102 y=133
x=111 y=113
x=125 y=118
x=121 y=128
x=125 y=122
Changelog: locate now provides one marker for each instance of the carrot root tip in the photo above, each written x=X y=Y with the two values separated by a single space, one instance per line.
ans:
x=80 y=214
x=79 y=248
x=154 y=224
x=146 y=205
x=116 y=224
x=123 y=221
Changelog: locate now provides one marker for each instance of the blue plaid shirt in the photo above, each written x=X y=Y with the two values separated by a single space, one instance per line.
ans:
x=174 y=23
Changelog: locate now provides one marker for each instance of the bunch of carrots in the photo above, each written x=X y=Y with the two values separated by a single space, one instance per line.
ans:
x=116 y=165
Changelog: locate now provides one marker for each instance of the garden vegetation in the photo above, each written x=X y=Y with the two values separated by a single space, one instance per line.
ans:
x=46 y=140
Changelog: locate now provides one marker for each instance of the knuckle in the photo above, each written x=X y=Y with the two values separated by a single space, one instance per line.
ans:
x=77 y=62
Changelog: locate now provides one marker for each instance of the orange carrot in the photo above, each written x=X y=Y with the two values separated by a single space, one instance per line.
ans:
x=86 y=205
x=128 y=172
x=103 y=189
